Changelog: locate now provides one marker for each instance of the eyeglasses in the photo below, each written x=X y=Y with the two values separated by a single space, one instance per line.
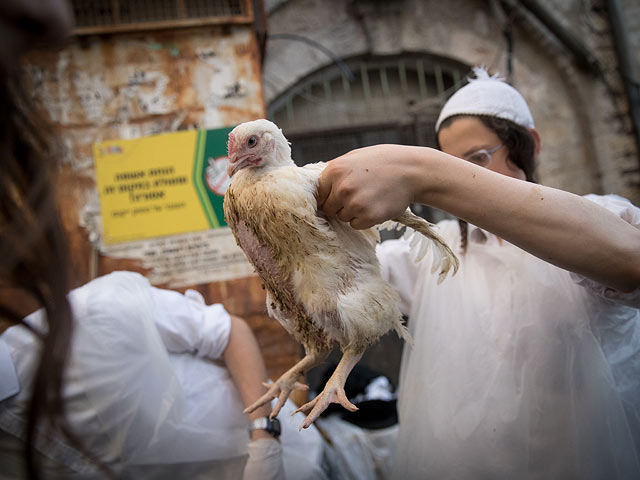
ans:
x=482 y=157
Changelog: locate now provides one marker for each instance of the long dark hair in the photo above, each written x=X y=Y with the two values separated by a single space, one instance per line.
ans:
x=34 y=250
x=518 y=141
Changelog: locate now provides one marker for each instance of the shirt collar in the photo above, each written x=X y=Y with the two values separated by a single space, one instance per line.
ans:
x=9 y=385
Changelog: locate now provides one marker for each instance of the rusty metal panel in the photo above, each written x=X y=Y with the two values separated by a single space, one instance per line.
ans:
x=127 y=86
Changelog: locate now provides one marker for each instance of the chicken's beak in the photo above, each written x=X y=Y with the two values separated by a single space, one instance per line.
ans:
x=232 y=165
x=238 y=162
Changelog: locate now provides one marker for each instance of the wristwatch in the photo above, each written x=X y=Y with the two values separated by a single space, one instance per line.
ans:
x=265 y=423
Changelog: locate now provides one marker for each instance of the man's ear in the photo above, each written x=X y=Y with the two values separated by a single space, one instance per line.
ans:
x=536 y=138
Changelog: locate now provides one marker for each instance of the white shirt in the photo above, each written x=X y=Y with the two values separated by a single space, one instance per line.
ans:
x=145 y=412
x=519 y=369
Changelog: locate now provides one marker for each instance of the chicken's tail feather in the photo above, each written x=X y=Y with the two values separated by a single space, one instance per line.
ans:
x=443 y=259
x=403 y=332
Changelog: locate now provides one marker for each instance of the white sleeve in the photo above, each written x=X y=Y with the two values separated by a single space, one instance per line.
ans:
x=187 y=324
x=622 y=207
x=628 y=212
x=399 y=268
x=265 y=460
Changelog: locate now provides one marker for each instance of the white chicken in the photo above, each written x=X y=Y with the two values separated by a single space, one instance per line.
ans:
x=322 y=277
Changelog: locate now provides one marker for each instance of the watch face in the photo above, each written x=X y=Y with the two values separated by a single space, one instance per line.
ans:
x=273 y=427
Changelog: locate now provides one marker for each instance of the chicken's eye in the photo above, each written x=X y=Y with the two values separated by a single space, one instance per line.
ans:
x=253 y=140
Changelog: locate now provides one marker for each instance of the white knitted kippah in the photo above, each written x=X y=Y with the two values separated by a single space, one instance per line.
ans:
x=488 y=95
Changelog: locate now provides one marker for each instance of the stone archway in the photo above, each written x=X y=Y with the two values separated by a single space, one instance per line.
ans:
x=364 y=101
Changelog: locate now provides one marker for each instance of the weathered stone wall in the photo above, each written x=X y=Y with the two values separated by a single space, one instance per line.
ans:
x=631 y=10
x=583 y=118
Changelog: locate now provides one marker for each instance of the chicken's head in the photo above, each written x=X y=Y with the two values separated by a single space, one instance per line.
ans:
x=259 y=143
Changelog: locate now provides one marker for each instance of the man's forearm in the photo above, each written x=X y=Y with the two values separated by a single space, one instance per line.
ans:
x=556 y=226
x=246 y=365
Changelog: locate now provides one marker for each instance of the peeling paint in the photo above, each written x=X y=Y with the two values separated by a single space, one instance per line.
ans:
x=128 y=86
x=148 y=89
x=173 y=49
x=93 y=95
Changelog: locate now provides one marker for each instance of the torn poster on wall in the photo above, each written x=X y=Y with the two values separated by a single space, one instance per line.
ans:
x=161 y=201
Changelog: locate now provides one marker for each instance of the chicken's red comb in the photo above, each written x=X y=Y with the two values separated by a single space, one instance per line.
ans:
x=231 y=144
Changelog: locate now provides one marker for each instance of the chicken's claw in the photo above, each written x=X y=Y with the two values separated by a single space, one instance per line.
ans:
x=330 y=394
x=281 y=389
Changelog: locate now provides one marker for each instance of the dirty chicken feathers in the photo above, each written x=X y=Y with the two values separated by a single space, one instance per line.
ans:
x=322 y=277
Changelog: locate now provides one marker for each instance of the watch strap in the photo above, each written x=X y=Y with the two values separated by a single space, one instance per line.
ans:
x=259 y=424
x=265 y=423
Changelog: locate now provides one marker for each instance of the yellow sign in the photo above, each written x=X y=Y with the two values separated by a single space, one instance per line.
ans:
x=157 y=186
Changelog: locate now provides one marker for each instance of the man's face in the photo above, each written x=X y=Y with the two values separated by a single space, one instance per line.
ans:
x=467 y=135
